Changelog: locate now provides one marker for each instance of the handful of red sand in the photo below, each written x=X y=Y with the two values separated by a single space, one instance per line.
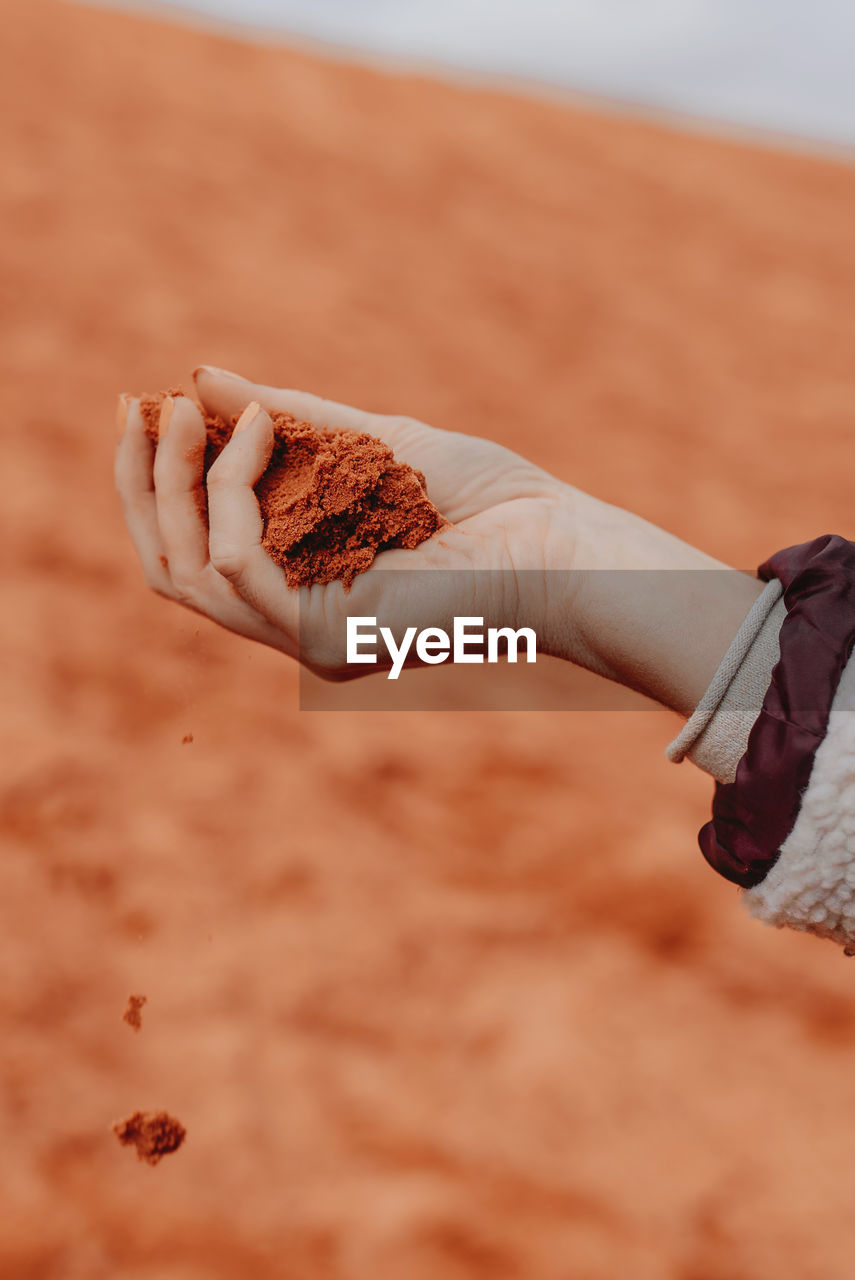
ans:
x=331 y=499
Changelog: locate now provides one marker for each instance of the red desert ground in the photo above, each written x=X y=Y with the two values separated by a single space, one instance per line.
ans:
x=440 y=995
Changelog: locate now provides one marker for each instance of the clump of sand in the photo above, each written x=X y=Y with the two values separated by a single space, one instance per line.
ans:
x=155 y=1134
x=133 y=1013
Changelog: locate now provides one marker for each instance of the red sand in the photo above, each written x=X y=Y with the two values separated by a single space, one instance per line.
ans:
x=456 y=993
x=331 y=499
x=155 y=1134
x=133 y=1013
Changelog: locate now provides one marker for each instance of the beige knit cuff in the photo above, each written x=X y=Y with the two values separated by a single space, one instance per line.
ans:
x=716 y=735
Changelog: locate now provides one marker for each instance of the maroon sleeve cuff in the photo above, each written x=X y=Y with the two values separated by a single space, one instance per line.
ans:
x=754 y=814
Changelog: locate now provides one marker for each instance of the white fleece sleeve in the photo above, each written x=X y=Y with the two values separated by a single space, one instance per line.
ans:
x=812 y=885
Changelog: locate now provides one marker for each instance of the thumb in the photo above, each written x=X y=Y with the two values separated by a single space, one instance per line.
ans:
x=226 y=394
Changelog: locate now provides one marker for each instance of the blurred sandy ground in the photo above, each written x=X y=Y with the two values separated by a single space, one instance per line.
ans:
x=436 y=996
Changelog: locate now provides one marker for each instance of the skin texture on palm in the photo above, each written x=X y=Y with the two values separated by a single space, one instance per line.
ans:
x=507 y=518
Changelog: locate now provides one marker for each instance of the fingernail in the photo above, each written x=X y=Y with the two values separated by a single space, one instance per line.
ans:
x=248 y=416
x=121 y=415
x=217 y=373
x=166 y=408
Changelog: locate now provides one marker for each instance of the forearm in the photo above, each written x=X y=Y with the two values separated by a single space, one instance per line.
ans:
x=646 y=609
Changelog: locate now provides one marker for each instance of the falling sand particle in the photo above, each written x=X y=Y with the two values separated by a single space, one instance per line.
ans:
x=155 y=1134
x=133 y=1013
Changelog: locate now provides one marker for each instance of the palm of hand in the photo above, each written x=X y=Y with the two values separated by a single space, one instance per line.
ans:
x=501 y=510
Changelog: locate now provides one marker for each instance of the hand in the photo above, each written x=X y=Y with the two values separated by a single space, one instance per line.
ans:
x=506 y=515
x=662 y=634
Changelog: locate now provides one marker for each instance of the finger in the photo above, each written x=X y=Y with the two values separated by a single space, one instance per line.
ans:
x=236 y=526
x=179 y=482
x=226 y=394
x=135 y=484
x=179 y=476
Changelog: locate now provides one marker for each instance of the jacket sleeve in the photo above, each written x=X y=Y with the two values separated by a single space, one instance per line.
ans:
x=811 y=886
x=776 y=729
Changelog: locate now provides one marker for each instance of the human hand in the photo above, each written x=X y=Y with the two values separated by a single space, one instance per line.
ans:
x=506 y=515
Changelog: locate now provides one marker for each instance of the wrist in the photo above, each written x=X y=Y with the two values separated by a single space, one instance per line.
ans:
x=637 y=604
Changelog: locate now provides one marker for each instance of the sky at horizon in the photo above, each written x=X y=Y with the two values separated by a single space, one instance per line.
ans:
x=774 y=65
